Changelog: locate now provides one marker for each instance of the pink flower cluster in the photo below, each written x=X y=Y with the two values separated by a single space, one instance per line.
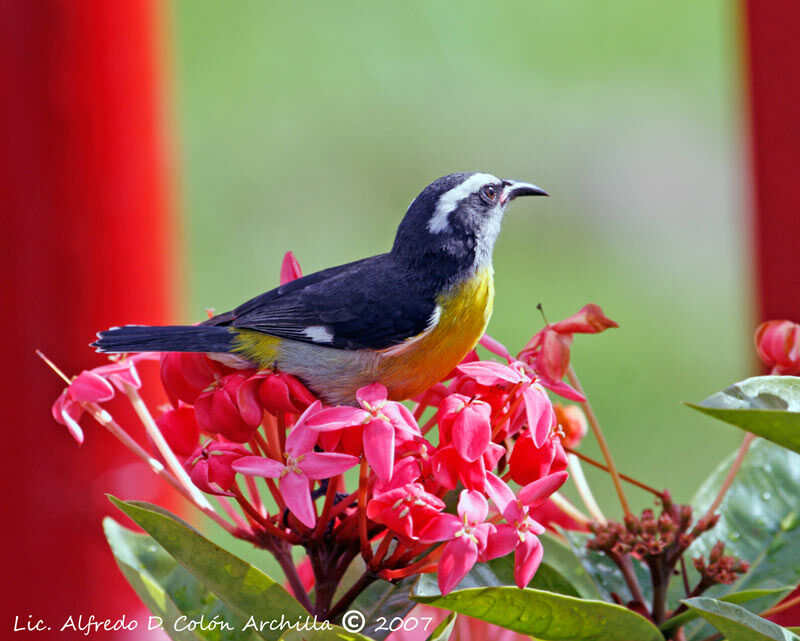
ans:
x=498 y=448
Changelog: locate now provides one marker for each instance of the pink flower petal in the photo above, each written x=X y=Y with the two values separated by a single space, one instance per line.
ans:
x=372 y=394
x=472 y=431
x=495 y=346
x=527 y=558
x=324 y=465
x=473 y=505
x=501 y=542
x=499 y=491
x=441 y=527
x=249 y=402
x=562 y=389
x=337 y=418
x=70 y=414
x=457 y=559
x=295 y=491
x=301 y=439
x=539 y=413
x=88 y=387
x=258 y=466
x=489 y=372
x=536 y=493
x=379 y=447
x=290 y=268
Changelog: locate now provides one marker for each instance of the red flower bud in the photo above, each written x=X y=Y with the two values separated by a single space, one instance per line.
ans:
x=185 y=375
x=778 y=345
x=218 y=412
x=589 y=320
x=573 y=422
x=180 y=430
x=210 y=469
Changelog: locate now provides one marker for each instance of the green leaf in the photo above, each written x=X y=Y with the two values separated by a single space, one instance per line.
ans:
x=759 y=522
x=561 y=557
x=738 y=624
x=544 y=615
x=246 y=589
x=167 y=589
x=444 y=629
x=736 y=597
x=335 y=633
x=383 y=599
x=767 y=406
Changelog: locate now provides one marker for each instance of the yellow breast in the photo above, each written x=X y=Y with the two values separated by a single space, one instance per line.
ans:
x=419 y=362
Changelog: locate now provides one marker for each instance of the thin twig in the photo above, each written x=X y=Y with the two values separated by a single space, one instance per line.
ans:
x=591 y=417
x=565 y=506
x=585 y=492
x=726 y=484
x=163 y=447
x=624 y=477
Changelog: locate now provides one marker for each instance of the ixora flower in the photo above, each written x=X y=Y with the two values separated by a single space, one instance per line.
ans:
x=406 y=509
x=521 y=530
x=300 y=466
x=383 y=421
x=466 y=534
x=538 y=408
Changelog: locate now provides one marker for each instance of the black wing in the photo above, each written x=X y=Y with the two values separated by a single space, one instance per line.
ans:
x=372 y=303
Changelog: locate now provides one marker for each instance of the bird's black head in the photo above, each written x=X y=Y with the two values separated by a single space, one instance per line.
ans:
x=455 y=221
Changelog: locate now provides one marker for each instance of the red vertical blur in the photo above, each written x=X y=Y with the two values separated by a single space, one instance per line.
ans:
x=772 y=58
x=86 y=242
x=773 y=70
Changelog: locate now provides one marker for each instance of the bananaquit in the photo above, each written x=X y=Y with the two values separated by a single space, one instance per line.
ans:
x=404 y=319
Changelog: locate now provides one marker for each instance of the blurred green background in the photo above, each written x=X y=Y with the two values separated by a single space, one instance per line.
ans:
x=311 y=126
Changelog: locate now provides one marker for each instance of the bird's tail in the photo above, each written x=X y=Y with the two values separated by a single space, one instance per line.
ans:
x=175 y=338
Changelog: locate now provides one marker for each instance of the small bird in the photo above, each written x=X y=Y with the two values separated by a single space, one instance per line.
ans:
x=404 y=319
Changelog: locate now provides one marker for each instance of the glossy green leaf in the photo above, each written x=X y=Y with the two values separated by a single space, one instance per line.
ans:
x=736 y=597
x=383 y=599
x=168 y=590
x=562 y=558
x=246 y=589
x=444 y=629
x=759 y=522
x=768 y=406
x=334 y=633
x=544 y=615
x=738 y=624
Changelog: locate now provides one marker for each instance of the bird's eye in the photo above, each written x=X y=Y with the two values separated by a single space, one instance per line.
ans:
x=489 y=193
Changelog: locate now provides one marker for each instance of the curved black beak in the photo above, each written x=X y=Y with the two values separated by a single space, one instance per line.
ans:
x=513 y=189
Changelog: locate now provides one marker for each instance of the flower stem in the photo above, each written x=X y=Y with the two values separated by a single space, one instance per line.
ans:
x=366 y=550
x=569 y=509
x=325 y=516
x=163 y=447
x=591 y=417
x=284 y=559
x=576 y=473
x=726 y=484
x=348 y=597
x=624 y=477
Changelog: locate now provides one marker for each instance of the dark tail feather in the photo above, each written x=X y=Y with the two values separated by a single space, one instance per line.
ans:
x=176 y=338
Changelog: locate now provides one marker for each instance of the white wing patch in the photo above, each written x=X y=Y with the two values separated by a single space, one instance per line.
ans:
x=449 y=200
x=318 y=334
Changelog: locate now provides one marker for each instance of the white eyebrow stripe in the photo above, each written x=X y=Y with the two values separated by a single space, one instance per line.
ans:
x=318 y=334
x=449 y=200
